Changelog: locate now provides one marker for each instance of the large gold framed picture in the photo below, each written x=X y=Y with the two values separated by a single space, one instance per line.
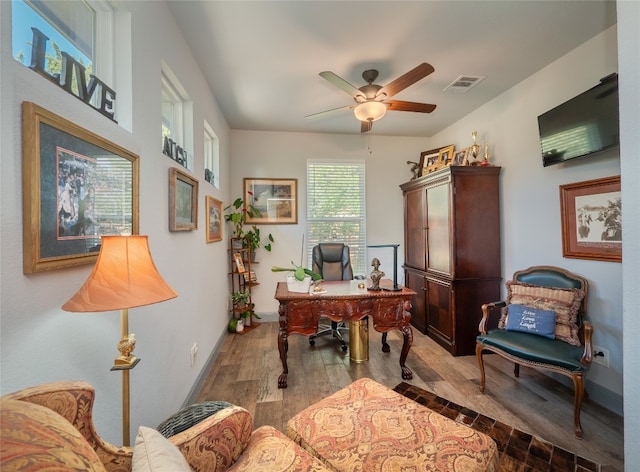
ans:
x=76 y=188
x=275 y=200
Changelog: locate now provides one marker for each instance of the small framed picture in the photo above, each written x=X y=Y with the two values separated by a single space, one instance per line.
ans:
x=445 y=156
x=239 y=264
x=591 y=213
x=428 y=158
x=460 y=157
x=183 y=201
x=214 y=219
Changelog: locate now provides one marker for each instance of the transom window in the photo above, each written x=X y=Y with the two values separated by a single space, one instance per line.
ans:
x=336 y=207
x=211 y=156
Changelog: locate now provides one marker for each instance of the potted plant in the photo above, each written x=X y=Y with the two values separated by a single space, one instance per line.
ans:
x=236 y=214
x=300 y=280
x=244 y=308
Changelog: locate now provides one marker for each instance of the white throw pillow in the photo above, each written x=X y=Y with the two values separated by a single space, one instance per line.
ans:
x=155 y=453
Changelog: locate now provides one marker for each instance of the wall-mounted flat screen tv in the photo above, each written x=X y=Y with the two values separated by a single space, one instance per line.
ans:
x=583 y=126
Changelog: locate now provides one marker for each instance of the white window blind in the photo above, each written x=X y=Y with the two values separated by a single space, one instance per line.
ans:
x=336 y=208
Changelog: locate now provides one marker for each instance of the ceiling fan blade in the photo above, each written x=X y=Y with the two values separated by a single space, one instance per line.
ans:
x=341 y=84
x=399 y=105
x=365 y=126
x=405 y=80
x=326 y=112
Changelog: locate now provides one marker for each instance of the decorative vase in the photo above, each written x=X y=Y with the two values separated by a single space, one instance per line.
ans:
x=240 y=326
x=300 y=286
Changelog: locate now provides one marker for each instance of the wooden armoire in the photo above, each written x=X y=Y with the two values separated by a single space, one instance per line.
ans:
x=452 y=251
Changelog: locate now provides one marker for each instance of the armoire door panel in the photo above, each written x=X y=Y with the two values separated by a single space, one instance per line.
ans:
x=438 y=229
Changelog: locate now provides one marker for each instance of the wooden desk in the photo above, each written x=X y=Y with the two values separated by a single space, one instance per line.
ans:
x=344 y=301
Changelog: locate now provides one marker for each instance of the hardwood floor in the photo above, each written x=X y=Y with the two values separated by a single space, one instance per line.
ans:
x=247 y=369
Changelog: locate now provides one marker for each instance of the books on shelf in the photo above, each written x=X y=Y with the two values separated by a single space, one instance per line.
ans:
x=250 y=277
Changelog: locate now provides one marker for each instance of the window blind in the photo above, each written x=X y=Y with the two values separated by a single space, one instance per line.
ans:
x=336 y=210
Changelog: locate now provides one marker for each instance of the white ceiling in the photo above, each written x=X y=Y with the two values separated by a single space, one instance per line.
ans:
x=262 y=59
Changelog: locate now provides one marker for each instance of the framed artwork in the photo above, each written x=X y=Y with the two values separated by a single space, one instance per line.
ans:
x=276 y=200
x=183 y=201
x=76 y=187
x=591 y=213
x=428 y=158
x=445 y=156
x=461 y=157
x=214 y=219
x=239 y=264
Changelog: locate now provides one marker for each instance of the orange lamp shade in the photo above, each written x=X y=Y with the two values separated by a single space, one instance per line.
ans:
x=124 y=277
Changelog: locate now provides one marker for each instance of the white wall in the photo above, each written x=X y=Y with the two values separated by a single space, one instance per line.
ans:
x=42 y=343
x=285 y=155
x=629 y=58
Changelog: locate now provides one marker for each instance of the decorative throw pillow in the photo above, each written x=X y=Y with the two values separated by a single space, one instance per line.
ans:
x=532 y=320
x=37 y=438
x=153 y=452
x=565 y=302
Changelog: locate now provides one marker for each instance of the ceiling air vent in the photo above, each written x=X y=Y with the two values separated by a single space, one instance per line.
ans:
x=464 y=83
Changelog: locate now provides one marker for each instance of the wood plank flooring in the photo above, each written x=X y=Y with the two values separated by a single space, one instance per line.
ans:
x=247 y=368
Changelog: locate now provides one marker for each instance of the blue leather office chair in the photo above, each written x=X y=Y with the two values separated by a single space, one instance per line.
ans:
x=333 y=262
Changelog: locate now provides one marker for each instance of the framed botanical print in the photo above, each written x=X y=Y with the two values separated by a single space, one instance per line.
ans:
x=591 y=213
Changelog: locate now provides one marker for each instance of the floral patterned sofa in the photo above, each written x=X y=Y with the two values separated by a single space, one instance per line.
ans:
x=364 y=426
x=50 y=427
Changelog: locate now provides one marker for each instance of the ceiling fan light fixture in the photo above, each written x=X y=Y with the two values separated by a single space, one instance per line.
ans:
x=370 y=111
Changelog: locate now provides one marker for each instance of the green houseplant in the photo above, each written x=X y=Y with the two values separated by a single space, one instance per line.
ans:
x=236 y=214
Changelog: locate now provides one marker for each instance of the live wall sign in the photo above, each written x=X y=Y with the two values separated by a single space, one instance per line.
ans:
x=73 y=73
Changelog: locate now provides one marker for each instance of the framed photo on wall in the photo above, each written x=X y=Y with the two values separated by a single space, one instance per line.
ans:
x=76 y=187
x=276 y=200
x=591 y=213
x=183 y=201
x=214 y=219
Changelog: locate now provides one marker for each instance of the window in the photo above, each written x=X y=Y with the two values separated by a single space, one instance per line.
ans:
x=70 y=27
x=211 y=156
x=177 y=119
x=83 y=29
x=336 y=207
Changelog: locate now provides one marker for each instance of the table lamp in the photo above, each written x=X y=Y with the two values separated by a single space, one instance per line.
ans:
x=123 y=277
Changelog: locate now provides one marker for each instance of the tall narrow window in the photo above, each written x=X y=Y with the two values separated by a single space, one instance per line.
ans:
x=211 y=156
x=336 y=208
x=176 y=120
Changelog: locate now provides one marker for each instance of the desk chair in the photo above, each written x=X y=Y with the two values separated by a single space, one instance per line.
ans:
x=333 y=262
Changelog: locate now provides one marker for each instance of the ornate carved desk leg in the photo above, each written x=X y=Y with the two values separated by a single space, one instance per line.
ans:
x=385 y=345
x=283 y=345
x=407 y=333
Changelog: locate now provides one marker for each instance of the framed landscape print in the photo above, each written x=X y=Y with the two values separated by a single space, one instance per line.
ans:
x=76 y=187
x=214 y=219
x=183 y=201
x=591 y=213
x=276 y=200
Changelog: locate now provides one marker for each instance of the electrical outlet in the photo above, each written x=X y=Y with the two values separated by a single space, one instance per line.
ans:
x=194 y=352
x=601 y=356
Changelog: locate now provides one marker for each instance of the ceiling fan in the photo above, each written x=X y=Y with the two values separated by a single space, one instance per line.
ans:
x=372 y=100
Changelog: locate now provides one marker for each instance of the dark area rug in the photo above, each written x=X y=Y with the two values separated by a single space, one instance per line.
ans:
x=519 y=451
